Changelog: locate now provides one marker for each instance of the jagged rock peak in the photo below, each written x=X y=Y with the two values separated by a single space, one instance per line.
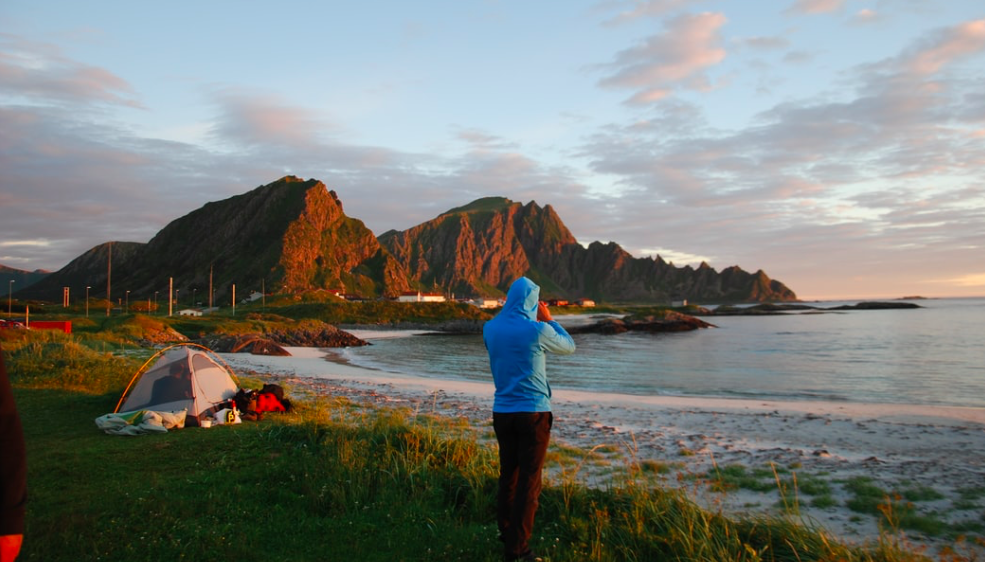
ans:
x=288 y=182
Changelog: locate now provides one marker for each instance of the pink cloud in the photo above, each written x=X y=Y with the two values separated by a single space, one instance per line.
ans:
x=951 y=44
x=649 y=8
x=644 y=97
x=816 y=6
x=866 y=16
x=691 y=44
x=252 y=119
x=42 y=73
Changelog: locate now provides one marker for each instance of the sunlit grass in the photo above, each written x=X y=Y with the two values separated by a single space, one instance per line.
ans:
x=339 y=480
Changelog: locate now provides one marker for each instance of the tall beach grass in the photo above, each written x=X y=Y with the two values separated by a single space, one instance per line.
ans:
x=338 y=480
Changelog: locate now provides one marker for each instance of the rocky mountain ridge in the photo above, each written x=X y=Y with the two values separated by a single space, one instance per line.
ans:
x=484 y=246
x=21 y=278
x=293 y=237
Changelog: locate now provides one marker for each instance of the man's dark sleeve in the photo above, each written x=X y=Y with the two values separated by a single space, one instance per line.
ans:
x=13 y=461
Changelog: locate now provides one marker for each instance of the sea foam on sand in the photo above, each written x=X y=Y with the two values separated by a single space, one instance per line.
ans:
x=900 y=447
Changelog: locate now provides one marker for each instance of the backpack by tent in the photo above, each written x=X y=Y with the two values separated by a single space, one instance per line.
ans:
x=181 y=377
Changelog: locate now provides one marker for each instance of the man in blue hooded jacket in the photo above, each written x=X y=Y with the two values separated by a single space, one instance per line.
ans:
x=517 y=339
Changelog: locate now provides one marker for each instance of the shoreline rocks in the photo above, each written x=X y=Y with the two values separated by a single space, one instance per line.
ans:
x=273 y=343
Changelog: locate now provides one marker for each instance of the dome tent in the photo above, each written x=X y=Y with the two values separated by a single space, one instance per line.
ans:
x=182 y=377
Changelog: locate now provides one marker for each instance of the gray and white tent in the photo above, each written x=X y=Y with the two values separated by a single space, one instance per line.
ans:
x=186 y=377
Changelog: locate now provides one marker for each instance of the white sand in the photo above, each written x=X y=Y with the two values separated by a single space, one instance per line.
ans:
x=899 y=446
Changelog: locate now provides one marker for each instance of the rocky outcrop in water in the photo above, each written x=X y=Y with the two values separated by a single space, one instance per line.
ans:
x=766 y=309
x=876 y=306
x=670 y=321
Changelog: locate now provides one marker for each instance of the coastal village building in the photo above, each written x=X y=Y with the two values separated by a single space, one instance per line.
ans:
x=587 y=303
x=486 y=303
x=197 y=311
x=417 y=296
x=337 y=293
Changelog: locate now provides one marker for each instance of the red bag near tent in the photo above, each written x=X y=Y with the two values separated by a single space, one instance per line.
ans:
x=267 y=402
x=271 y=399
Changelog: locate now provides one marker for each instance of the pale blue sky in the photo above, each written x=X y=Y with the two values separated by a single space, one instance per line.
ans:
x=839 y=145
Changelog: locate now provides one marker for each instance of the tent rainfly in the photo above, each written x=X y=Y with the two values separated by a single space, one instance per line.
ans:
x=181 y=377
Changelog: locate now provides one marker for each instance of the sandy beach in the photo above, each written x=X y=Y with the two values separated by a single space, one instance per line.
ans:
x=900 y=447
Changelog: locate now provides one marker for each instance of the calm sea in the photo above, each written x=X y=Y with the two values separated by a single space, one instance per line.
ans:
x=931 y=355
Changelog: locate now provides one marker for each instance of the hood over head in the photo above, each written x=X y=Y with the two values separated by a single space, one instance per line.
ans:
x=522 y=298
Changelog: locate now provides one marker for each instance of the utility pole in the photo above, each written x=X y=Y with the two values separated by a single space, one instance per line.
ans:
x=109 y=275
x=170 y=294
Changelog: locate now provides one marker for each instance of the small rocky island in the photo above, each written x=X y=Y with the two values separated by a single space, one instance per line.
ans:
x=665 y=321
x=783 y=308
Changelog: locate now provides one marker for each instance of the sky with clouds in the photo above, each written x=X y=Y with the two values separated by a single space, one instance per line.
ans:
x=838 y=145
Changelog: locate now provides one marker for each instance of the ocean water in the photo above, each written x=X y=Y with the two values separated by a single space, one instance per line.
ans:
x=933 y=355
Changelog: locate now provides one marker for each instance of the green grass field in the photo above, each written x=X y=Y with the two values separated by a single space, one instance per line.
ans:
x=333 y=480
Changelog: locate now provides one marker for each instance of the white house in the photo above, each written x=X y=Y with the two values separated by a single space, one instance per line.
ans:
x=486 y=303
x=190 y=312
x=417 y=296
x=337 y=293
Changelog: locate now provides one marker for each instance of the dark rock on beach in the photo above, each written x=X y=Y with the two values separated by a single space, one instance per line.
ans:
x=254 y=344
x=308 y=334
x=316 y=335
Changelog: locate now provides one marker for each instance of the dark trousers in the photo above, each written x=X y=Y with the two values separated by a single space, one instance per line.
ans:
x=523 y=439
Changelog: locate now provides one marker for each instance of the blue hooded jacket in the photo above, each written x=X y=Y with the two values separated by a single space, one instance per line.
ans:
x=516 y=342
